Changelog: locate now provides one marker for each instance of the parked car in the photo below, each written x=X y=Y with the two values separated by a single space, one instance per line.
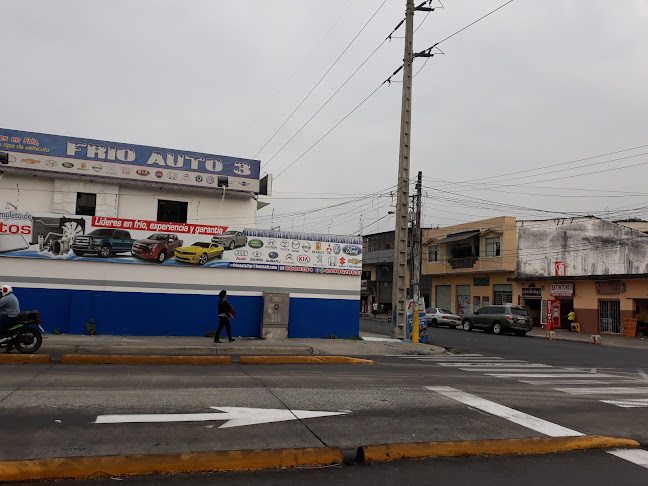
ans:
x=199 y=253
x=156 y=247
x=436 y=317
x=104 y=242
x=230 y=239
x=498 y=319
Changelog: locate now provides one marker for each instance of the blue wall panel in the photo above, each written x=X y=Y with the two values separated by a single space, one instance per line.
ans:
x=317 y=318
x=151 y=314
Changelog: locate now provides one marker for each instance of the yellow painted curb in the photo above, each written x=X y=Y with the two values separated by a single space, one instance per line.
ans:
x=24 y=358
x=300 y=359
x=132 y=359
x=106 y=466
x=541 y=445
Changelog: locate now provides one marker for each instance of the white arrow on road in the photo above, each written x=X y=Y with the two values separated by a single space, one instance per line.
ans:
x=234 y=416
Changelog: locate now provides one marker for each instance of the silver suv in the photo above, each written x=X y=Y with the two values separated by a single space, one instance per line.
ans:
x=498 y=319
x=230 y=239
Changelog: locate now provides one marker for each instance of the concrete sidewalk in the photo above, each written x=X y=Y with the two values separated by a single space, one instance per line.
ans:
x=606 y=339
x=374 y=345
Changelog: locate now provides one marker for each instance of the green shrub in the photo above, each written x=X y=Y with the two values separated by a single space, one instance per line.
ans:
x=91 y=327
x=57 y=331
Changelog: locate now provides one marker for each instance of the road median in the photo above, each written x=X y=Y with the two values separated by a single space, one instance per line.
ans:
x=496 y=447
x=142 y=359
x=135 y=465
x=300 y=359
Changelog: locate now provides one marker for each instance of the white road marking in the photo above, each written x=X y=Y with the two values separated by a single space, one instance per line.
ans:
x=460 y=358
x=417 y=356
x=511 y=364
x=629 y=402
x=604 y=391
x=233 y=416
x=573 y=382
x=548 y=375
x=515 y=416
x=636 y=456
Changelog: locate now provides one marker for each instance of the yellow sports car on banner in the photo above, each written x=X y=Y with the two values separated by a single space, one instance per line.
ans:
x=199 y=253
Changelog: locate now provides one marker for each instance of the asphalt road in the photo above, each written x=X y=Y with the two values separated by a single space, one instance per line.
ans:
x=54 y=410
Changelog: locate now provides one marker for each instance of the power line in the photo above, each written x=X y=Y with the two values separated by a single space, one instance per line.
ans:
x=318 y=83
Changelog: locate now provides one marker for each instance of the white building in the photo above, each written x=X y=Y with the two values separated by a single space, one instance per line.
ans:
x=56 y=190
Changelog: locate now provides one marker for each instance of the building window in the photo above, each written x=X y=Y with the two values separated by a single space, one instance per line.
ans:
x=172 y=211
x=493 y=246
x=86 y=204
x=433 y=253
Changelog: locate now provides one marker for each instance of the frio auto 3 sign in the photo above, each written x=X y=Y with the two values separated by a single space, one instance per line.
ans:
x=136 y=241
x=79 y=157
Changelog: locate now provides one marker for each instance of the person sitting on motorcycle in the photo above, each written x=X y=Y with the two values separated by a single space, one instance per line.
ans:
x=9 y=307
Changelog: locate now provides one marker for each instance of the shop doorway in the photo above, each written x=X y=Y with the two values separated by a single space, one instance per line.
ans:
x=566 y=306
x=534 y=308
x=610 y=316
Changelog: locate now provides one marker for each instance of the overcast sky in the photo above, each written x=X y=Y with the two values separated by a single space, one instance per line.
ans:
x=535 y=84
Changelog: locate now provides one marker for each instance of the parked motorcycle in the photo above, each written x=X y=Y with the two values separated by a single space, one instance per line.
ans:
x=26 y=335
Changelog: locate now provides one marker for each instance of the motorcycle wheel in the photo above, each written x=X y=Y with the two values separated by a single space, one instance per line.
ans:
x=28 y=340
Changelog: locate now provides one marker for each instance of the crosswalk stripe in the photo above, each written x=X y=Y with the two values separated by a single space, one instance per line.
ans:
x=629 y=402
x=636 y=456
x=574 y=382
x=548 y=375
x=455 y=358
x=417 y=356
x=496 y=365
x=604 y=391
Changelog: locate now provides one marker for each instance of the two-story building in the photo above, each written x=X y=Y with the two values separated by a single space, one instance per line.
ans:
x=470 y=264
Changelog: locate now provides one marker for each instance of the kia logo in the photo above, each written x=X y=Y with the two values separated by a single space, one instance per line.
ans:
x=273 y=254
x=303 y=259
x=241 y=252
x=143 y=172
x=352 y=250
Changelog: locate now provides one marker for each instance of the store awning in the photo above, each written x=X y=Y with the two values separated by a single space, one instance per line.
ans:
x=458 y=237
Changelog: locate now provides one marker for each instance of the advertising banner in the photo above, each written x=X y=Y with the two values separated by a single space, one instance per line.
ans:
x=562 y=290
x=134 y=241
x=422 y=330
x=79 y=157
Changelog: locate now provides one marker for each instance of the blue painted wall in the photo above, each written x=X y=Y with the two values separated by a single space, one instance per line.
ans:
x=151 y=314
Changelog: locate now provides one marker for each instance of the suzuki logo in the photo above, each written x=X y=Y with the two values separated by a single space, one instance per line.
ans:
x=342 y=261
x=303 y=259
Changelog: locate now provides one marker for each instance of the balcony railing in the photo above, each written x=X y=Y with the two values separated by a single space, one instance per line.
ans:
x=468 y=262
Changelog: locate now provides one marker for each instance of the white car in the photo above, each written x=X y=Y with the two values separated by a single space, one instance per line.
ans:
x=436 y=317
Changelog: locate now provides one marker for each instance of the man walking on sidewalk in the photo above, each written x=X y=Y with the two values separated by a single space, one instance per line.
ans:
x=375 y=309
x=224 y=314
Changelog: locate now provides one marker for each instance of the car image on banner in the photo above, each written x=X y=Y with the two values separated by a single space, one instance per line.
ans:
x=199 y=253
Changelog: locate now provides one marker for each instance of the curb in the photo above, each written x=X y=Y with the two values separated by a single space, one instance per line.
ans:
x=497 y=447
x=300 y=359
x=107 y=466
x=24 y=358
x=135 y=359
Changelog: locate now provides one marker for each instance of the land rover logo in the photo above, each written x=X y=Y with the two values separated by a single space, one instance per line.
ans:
x=143 y=172
x=241 y=252
x=67 y=165
x=255 y=244
x=303 y=259
x=352 y=250
x=273 y=255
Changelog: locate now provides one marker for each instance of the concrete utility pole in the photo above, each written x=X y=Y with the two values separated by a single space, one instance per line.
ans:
x=399 y=282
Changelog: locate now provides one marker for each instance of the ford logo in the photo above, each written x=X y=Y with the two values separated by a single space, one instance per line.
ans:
x=352 y=250
x=273 y=255
x=255 y=244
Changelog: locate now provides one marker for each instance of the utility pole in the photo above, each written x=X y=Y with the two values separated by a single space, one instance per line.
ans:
x=399 y=282
x=416 y=259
